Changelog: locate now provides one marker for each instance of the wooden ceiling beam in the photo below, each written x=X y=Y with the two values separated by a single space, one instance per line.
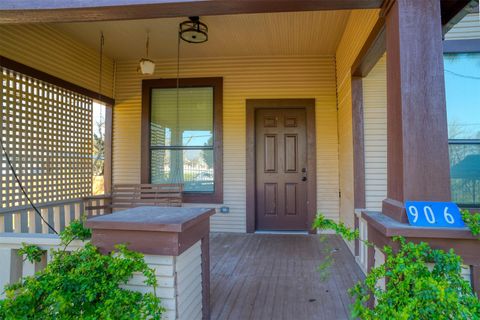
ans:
x=375 y=46
x=40 y=11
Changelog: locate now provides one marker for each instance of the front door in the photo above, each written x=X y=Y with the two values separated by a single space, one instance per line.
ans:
x=281 y=169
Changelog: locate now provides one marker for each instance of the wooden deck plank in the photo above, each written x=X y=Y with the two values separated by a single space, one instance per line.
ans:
x=266 y=276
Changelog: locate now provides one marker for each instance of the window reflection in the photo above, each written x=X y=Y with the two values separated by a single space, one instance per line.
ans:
x=462 y=83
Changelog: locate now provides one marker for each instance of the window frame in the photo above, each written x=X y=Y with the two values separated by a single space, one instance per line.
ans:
x=460 y=47
x=217 y=84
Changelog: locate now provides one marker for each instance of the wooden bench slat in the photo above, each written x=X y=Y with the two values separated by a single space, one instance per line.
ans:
x=134 y=195
x=147 y=196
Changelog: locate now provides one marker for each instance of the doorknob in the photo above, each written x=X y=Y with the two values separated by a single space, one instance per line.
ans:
x=304 y=172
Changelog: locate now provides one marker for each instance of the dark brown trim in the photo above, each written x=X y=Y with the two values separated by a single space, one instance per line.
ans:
x=475 y=278
x=184 y=226
x=359 y=201
x=375 y=45
x=107 y=169
x=159 y=231
x=251 y=106
x=206 y=274
x=418 y=165
x=382 y=230
x=461 y=46
x=455 y=10
x=356 y=226
x=358 y=144
x=392 y=228
x=14 y=11
x=217 y=84
x=43 y=76
x=373 y=49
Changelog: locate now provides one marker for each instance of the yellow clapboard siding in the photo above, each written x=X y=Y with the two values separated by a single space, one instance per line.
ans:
x=45 y=48
x=358 y=28
x=244 y=78
x=375 y=135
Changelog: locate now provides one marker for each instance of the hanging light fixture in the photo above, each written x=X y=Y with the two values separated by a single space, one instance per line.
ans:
x=193 y=31
x=147 y=66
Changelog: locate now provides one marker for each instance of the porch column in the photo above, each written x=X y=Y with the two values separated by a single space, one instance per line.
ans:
x=418 y=162
x=175 y=242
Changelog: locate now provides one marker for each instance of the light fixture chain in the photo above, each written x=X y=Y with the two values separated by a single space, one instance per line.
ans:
x=178 y=82
x=102 y=43
x=148 y=43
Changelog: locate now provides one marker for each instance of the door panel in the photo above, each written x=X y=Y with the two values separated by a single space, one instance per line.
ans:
x=281 y=167
x=270 y=153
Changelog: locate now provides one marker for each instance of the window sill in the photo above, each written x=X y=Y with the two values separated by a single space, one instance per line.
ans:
x=216 y=198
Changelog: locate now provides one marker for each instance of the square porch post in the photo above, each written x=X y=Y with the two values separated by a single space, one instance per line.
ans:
x=418 y=161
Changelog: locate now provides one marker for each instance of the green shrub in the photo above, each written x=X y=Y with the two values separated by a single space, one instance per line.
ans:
x=422 y=283
x=472 y=220
x=82 y=284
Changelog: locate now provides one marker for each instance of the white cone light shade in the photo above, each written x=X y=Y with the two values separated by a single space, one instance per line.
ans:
x=147 y=66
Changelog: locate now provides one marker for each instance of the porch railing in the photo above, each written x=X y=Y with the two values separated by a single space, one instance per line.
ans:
x=14 y=266
x=58 y=214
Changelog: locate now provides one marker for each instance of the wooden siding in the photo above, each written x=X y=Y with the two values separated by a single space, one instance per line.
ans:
x=247 y=35
x=375 y=135
x=244 y=78
x=179 y=283
x=467 y=28
x=358 y=28
x=188 y=268
x=164 y=267
x=44 y=48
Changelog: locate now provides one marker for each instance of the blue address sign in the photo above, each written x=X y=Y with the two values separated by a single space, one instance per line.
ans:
x=434 y=214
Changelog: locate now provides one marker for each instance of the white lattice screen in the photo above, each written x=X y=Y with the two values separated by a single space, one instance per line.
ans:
x=47 y=132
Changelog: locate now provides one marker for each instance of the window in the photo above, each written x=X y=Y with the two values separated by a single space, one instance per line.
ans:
x=462 y=81
x=98 y=148
x=183 y=142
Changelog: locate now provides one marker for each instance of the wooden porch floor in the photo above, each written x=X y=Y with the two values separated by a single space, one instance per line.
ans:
x=266 y=276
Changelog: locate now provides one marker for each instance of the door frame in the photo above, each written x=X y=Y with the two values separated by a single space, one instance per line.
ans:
x=251 y=106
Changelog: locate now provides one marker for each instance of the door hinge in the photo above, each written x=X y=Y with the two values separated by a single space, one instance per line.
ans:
x=339 y=193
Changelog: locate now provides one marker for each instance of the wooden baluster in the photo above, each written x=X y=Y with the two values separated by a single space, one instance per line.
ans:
x=77 y=210
x=24 y=221
x=67 y=214
x=8 y=222
x=29 y=269
x=97 y=203
x=11 y=266
x=44 y=212
x=2 y=223
x=17 y=224
x=32 y=221
x=56 y=219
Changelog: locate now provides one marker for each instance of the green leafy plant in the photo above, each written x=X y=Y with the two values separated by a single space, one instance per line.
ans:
x=82 y=284
x=420 y=283
x=31 y=252
x=322 y=223
x=75 y=231
x=472 y=220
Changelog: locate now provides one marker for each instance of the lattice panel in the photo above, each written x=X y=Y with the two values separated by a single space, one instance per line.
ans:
x=47 y=132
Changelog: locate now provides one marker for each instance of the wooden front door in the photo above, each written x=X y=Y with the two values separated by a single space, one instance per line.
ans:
x=281 y=169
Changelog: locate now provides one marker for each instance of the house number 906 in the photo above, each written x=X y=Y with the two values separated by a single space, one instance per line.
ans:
x=434 y=214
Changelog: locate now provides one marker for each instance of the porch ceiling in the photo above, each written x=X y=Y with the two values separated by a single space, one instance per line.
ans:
x=292 y=33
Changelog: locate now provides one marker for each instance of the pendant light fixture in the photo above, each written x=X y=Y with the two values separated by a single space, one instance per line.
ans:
x=147 y=66
x=193 y=31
